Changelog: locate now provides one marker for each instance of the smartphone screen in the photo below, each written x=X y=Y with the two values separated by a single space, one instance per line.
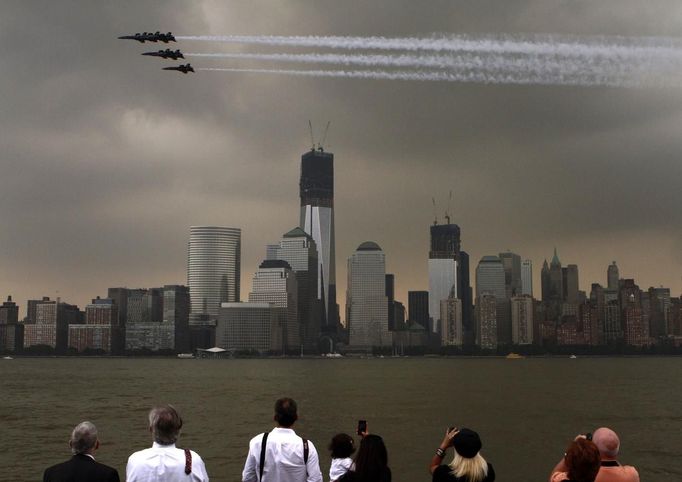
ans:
x=362 y=426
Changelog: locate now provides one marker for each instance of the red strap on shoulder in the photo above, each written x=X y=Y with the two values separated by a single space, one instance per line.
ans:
x=188 y=462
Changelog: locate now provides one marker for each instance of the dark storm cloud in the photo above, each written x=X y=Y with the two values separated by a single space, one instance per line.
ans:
x=106 y=160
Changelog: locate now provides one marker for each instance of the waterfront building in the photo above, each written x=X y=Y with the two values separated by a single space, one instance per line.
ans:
x=11 y=331
x=451 y=318
x=31 y=306
x=635 y=326
x=568 y=333
x=522 y=310
x=366 y=301
x=316 y=189
x=486 y=321
x=51 y=326
x=119 y=296
x=275 y=283
x=443 y=271
x=418 y=307
x=511 y=263
x=527 y=277
x=101 y=323
x=249 y=327
x=213 y=269
x=588 y=315
x=299 y=250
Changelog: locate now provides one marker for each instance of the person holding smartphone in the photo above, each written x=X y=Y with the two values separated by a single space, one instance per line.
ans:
x=468 y=465
x=371 y=460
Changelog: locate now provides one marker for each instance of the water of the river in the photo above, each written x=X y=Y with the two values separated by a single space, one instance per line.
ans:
x=526 y=411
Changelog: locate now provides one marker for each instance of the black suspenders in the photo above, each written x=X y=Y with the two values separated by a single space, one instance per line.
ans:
x=262 y=454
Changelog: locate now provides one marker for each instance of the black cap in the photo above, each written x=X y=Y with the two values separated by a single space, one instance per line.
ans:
x=467 y=443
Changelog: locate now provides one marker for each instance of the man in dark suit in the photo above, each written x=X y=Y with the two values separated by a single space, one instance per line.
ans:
x=82 y=467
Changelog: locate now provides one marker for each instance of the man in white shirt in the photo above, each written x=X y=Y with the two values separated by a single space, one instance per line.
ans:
x=281 y=455
x=164 y=462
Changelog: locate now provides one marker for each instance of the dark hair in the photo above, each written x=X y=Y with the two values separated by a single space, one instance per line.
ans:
x=341 y=446
x=165 y=423
x=582 y=460
x=371 y=461
x=285 y=412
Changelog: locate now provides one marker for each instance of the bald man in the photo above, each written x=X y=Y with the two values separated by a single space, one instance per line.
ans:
x=608 y=443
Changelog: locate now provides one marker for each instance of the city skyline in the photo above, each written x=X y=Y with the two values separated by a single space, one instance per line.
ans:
x=107 y=161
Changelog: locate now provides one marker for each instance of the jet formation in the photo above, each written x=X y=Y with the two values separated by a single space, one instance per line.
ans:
x=181 y=68
x=166 y=54
x=150 y=37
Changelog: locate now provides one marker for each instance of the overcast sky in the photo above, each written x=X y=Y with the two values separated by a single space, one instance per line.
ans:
x=107 y=160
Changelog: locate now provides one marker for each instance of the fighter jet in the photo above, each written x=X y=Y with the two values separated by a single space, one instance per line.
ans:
x=150 y=37
x=181 y=68
x=140 y=37
x=165 y=37
x=166 y=54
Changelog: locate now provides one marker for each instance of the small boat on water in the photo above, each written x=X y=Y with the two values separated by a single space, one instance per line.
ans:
x=573 y=357
x=186 y=356
x=7 y=358
x=514 y=356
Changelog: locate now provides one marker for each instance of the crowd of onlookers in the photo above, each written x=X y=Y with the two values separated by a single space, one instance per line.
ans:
x=282 y=456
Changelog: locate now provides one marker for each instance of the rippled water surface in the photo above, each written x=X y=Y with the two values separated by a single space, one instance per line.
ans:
x=526 y=411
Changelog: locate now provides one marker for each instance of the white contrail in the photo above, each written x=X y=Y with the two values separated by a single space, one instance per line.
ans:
x=486 y=62
x=521 y=78
x=625 y=47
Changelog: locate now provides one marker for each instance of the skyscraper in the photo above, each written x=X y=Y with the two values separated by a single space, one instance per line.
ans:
x=451 y=318
x=570 y=284
x=317 y=219
x=366 y=300
x=527 y=277
x=443 y=257
x=490 y=278
x=213 y=269
x=512 y=273
x=275 y=283
x=486 y=321
x=418 y=307
x=522 y=320
x=298 y=249
x=490 y=281
x=556 y=279
x=612 y=277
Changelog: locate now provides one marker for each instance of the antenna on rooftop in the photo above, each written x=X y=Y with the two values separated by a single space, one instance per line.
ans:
x=312 y=139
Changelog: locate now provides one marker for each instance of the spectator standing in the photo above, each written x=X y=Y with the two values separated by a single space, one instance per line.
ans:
x=468 y=465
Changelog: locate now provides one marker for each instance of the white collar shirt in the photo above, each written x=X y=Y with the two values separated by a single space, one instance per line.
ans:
x=284 y=460
x=164 y=463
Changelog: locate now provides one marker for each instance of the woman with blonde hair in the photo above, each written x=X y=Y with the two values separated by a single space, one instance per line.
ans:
x=468 y=465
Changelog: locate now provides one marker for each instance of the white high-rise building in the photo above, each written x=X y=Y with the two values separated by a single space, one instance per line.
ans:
x=443 y=268
x=366 y=300
x=275 y=283
x=527 y=277
x=213 y=269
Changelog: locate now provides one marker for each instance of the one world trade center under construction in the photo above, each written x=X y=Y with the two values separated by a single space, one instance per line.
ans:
x=317 y=219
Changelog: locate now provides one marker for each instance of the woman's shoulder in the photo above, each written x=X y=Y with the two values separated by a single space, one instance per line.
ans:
x=348 y=477
x=442 y=473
